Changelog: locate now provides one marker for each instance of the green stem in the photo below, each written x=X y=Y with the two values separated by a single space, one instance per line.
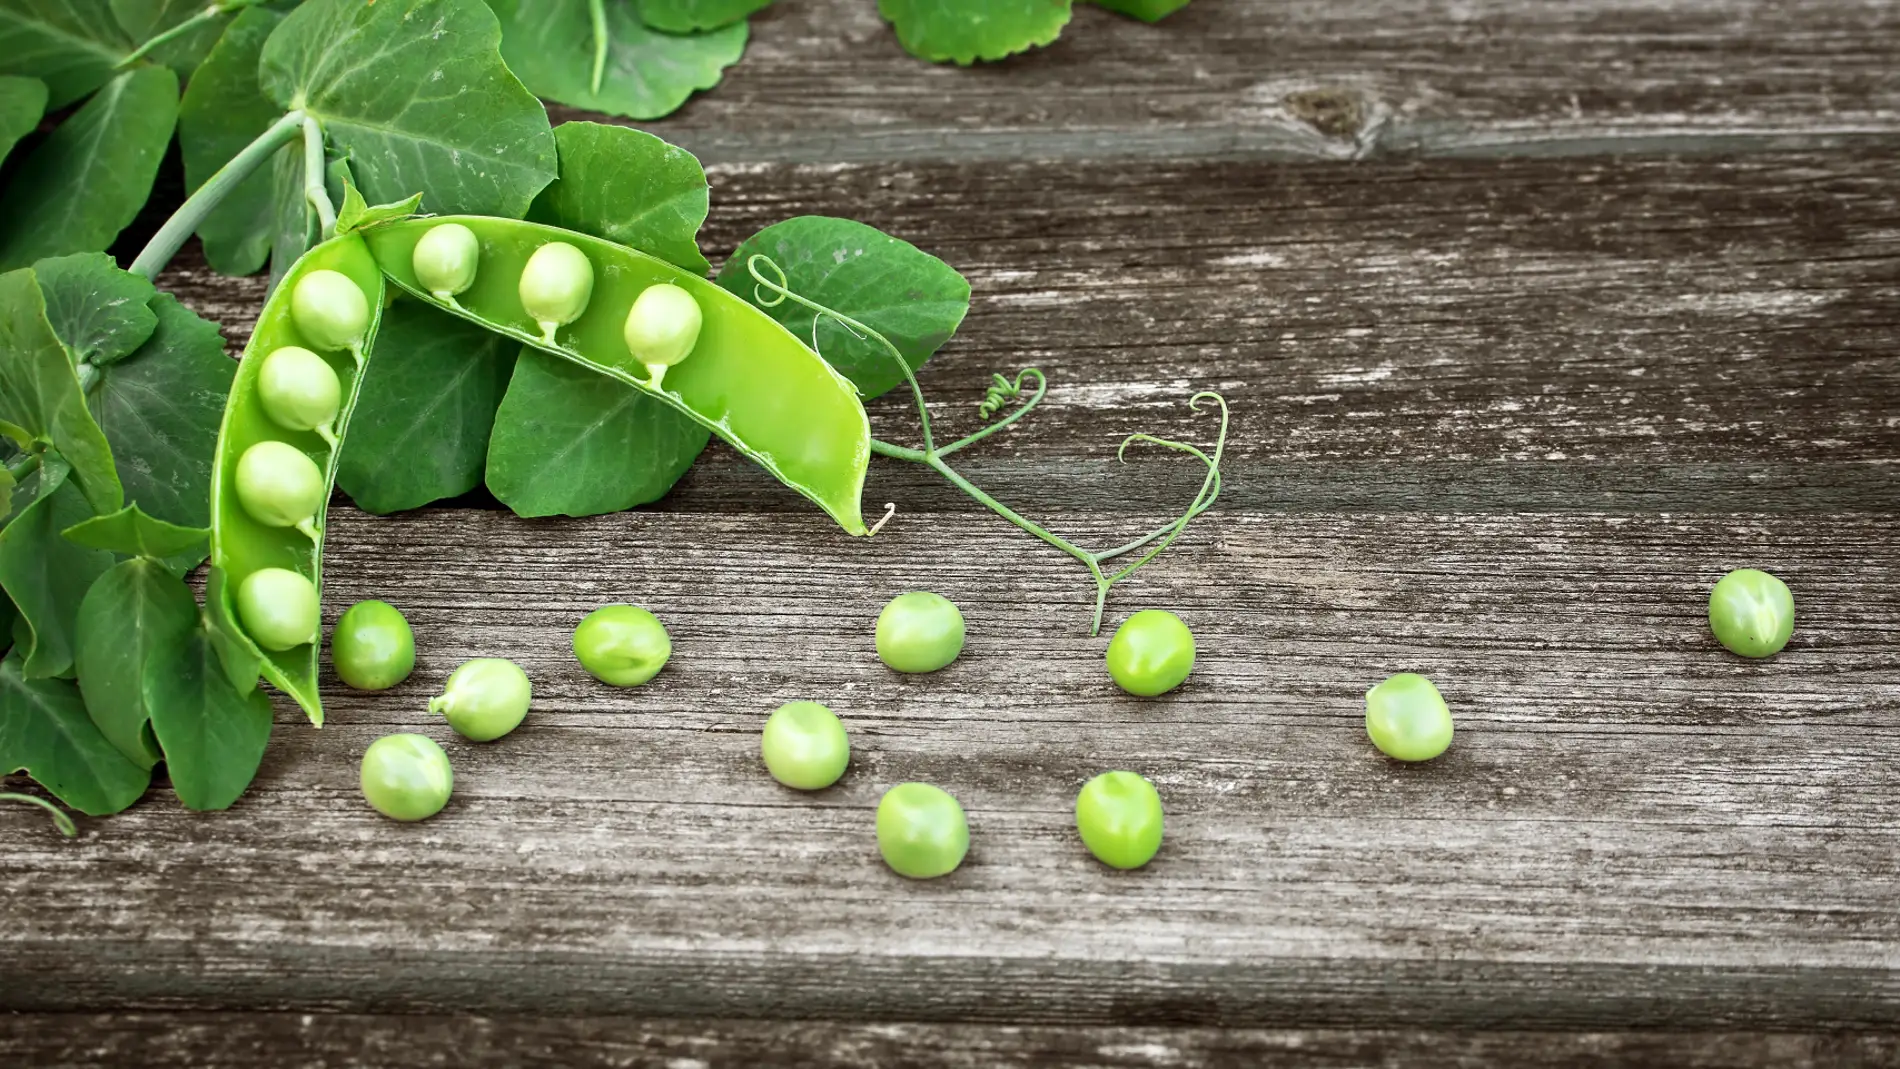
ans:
x=172 y=34
x=1042 y=387
x=597 y=10
x=22 y=466
x=60 y=820
x=314 y=189
x=185 y=221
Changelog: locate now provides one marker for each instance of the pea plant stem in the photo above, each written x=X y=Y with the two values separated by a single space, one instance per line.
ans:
x=185 y=221
x=314 y=189
x=22 y=466
x=60 y=820
x=597 y=12
x=209 y=12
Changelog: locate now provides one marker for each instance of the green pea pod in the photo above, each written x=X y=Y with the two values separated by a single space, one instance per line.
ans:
x=241 y=544
x=747 y=379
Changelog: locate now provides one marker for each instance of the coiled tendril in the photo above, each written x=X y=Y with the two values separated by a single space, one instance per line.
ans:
x=1002 y=392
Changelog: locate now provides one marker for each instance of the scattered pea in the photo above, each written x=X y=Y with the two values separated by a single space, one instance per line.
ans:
x=1152 y=653
x=556 y=285
x=330 y=310
x=1119 y=817
x=1751 y=613
x=278 y=608
x=372 y=646
x=624 y=645
x=406 y=777
x=299 y=391
x=662 y=328
x=1407 y=718
x=921 y=831
x=805 y=746
x=919 y=632
x=280 y=487
x=484 y=699
x=446 y=259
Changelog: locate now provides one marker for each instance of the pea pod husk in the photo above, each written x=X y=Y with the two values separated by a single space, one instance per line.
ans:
x=240 y=545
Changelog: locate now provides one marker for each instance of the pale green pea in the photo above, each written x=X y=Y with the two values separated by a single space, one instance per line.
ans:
x=555 y=286
x=406 y=777
x=485 y=698
x=662 y=328
x=1152 y=653
x=372 y=646
x=330 y=310
x=623 y=645
x=446 y=259
x=1118 y=815
x=919 y=632
x=278 y=608
x=299 y=391
x=1751 y=613
x=805 y=746
x=280 y=487
x=921 y=831
x=1407 y=718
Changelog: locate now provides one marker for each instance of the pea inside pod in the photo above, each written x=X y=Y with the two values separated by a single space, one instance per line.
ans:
x=745 y=377
x=446 y=260
x=555 y=286
x=275 y=465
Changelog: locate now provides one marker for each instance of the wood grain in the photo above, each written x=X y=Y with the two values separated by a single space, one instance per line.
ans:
x=825 y=81
x=349 y=1041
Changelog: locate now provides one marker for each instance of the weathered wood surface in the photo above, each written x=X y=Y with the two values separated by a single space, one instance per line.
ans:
x=1500 y=419
x=825 y=80
x=245 y=1041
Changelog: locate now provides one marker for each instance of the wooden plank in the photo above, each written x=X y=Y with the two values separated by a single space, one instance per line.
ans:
x=1602 y=334
x=347 y=1041
x=1633 y=829
x=825 y=81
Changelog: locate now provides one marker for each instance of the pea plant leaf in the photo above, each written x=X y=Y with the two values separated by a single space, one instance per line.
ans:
x=47 y=576
x=134 y=616
x=22 y=102
x=648 y=74
x=355 y=214
x=629 y=187
x=422 y=420
x=40 y=397
x=223 y=110
x=162 y=406
x=908 y=295
x=129 y=532
x=570 y=442
x=964 y=31
x=1145 y=10
x=692 y=16
x=416 y=94
x=71 y=45
x=78 y=188
x=98 y=311
x=213 y=736
x=45 y=732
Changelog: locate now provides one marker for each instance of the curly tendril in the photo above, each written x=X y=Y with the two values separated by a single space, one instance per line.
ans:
x=1001 y=393
x=60 y=820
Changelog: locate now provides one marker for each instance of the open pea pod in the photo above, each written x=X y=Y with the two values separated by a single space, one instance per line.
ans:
x=746 y=379
x=276 y=462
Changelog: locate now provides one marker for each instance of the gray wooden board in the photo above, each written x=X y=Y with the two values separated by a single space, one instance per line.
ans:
x=349 y=1041
x=825 y=80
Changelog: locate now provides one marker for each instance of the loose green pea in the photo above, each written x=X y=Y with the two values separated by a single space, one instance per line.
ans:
x=1119 y=817
x=1407 y=718
x=446 y=258
x=300 y=391
x=1152 y=653
x=662 y=328
x=484 y=699
x=279 y=486
x=919 y=632
x=556 y=286
x=624 y=645
x=1751 y=613
x=278 y=608
x=805 y=746
x=921 y=831
x=372 y=646
x=407 y=777
x=330 y=310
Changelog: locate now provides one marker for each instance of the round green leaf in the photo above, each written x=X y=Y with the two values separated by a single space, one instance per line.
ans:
x=136 y=614
x=213 y=736
x=890 y=285
x=1145 y=10
x=45 y=732
x=691 y=16
x=129 y=532
x=40 y=396
x=47 y=576
x=629 y=187
x=415 y=93
x=99 y=311
x=71 y=45
x=570 y=442
x=550 y=43
x=964 y=31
